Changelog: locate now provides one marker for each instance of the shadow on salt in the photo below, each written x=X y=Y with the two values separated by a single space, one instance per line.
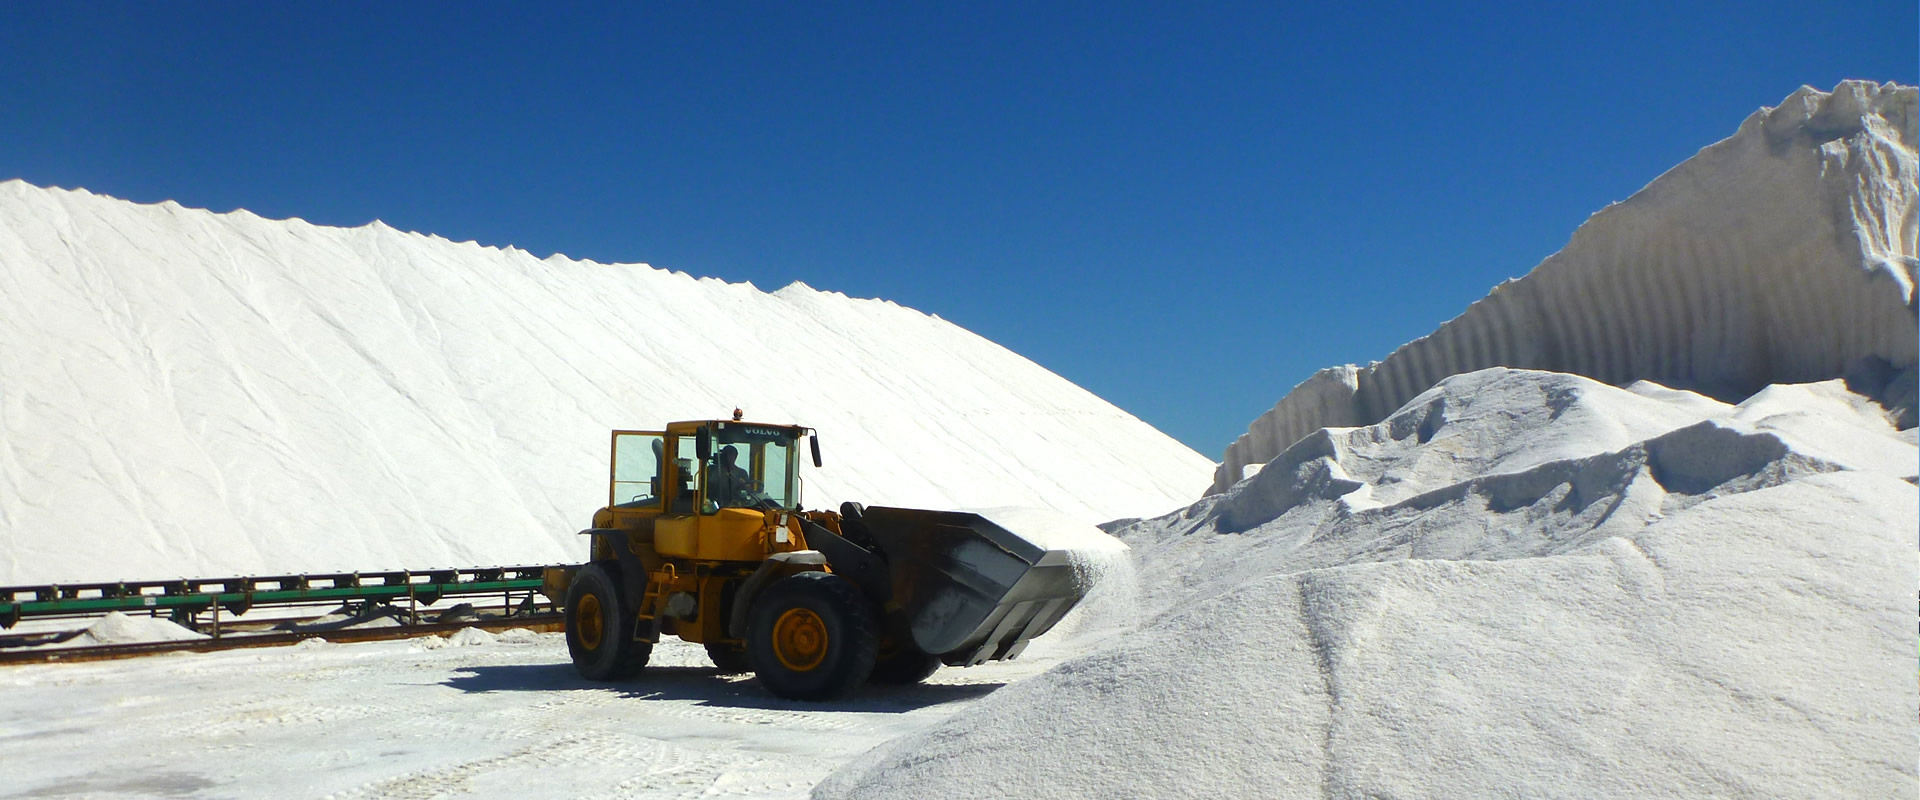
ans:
x=709 y=687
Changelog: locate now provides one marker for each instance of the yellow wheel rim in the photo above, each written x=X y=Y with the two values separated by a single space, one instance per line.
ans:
x=800 y=640
x=587 y=622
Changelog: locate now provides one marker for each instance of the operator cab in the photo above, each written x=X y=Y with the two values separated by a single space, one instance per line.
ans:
x=749 y=465
x=704 y=466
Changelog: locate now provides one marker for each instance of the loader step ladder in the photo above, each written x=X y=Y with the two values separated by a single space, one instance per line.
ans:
x=646 y=628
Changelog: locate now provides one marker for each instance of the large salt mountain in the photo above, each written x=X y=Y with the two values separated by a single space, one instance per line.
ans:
x=187 y=393
x=1784 y=254
x=1446 y=581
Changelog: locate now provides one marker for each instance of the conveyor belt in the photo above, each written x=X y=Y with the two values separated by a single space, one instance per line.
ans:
x=544 y=622
x=182 y=599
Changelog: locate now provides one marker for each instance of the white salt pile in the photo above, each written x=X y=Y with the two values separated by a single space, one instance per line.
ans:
x=1110 y=607
x=1784 y=254
x=1102 y=568
x=347 y=617
x=518 y=636
x=476 y=637
x=232 y=390
x=470 y=637
x=119 y=628
x=1522 y=584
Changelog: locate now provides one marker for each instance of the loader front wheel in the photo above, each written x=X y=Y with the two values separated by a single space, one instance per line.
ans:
x=728 y=659
x=600 y=628
x=902 y=664
x=812 y=636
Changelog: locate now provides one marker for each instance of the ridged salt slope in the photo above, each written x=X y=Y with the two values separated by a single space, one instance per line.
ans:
x=1784 y=254
x=184 y=392
x=1521 y=584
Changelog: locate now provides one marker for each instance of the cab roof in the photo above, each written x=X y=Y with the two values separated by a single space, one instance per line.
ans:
x=689 y=426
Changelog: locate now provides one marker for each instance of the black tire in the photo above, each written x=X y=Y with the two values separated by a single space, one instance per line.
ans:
x=729 y=660
x=600 y=627
x=812 y=636
x=903 y=665
x=900 y=663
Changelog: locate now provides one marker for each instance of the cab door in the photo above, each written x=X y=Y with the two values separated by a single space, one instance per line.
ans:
x=639 y=480
x=677 y=534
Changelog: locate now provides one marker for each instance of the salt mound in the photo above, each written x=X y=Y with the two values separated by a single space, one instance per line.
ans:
x=1101 y=568
x=1454 y=581
x=470 y=637
x=477 y=637
x=350 y=616
x=203 y=379
x=1521 y=584
x=1784 y=254
x=119 y=628
x=519 y=636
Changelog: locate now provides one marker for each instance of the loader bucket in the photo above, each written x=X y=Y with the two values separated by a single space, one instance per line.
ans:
x=976 y=588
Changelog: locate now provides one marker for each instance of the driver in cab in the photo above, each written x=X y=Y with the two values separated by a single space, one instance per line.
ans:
x=727 y=484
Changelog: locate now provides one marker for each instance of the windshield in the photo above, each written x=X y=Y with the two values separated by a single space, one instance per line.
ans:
x=752 y=467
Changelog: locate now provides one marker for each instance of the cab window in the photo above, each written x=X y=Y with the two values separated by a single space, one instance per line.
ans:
x=773 y=469
x=683 y=476
x=637 y=470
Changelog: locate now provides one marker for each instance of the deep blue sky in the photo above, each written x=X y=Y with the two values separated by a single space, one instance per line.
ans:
x=1185 y=208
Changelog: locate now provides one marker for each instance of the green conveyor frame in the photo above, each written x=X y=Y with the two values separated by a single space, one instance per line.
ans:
x=237 y=595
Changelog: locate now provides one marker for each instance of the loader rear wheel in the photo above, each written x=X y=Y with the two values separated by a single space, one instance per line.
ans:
x=600 y=628
x=728 y=659
x=812 y=636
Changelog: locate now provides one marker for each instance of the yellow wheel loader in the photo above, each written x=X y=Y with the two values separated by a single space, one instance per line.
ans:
x=703 y=537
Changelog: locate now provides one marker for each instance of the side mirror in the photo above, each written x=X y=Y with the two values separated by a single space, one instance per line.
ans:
x=703 y=445
x=813 y=443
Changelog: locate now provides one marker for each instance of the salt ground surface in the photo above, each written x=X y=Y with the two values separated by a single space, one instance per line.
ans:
x=1521 y=584
x=474 y=714
x=184 y=393
x=469 y=714
x=1784 y=254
